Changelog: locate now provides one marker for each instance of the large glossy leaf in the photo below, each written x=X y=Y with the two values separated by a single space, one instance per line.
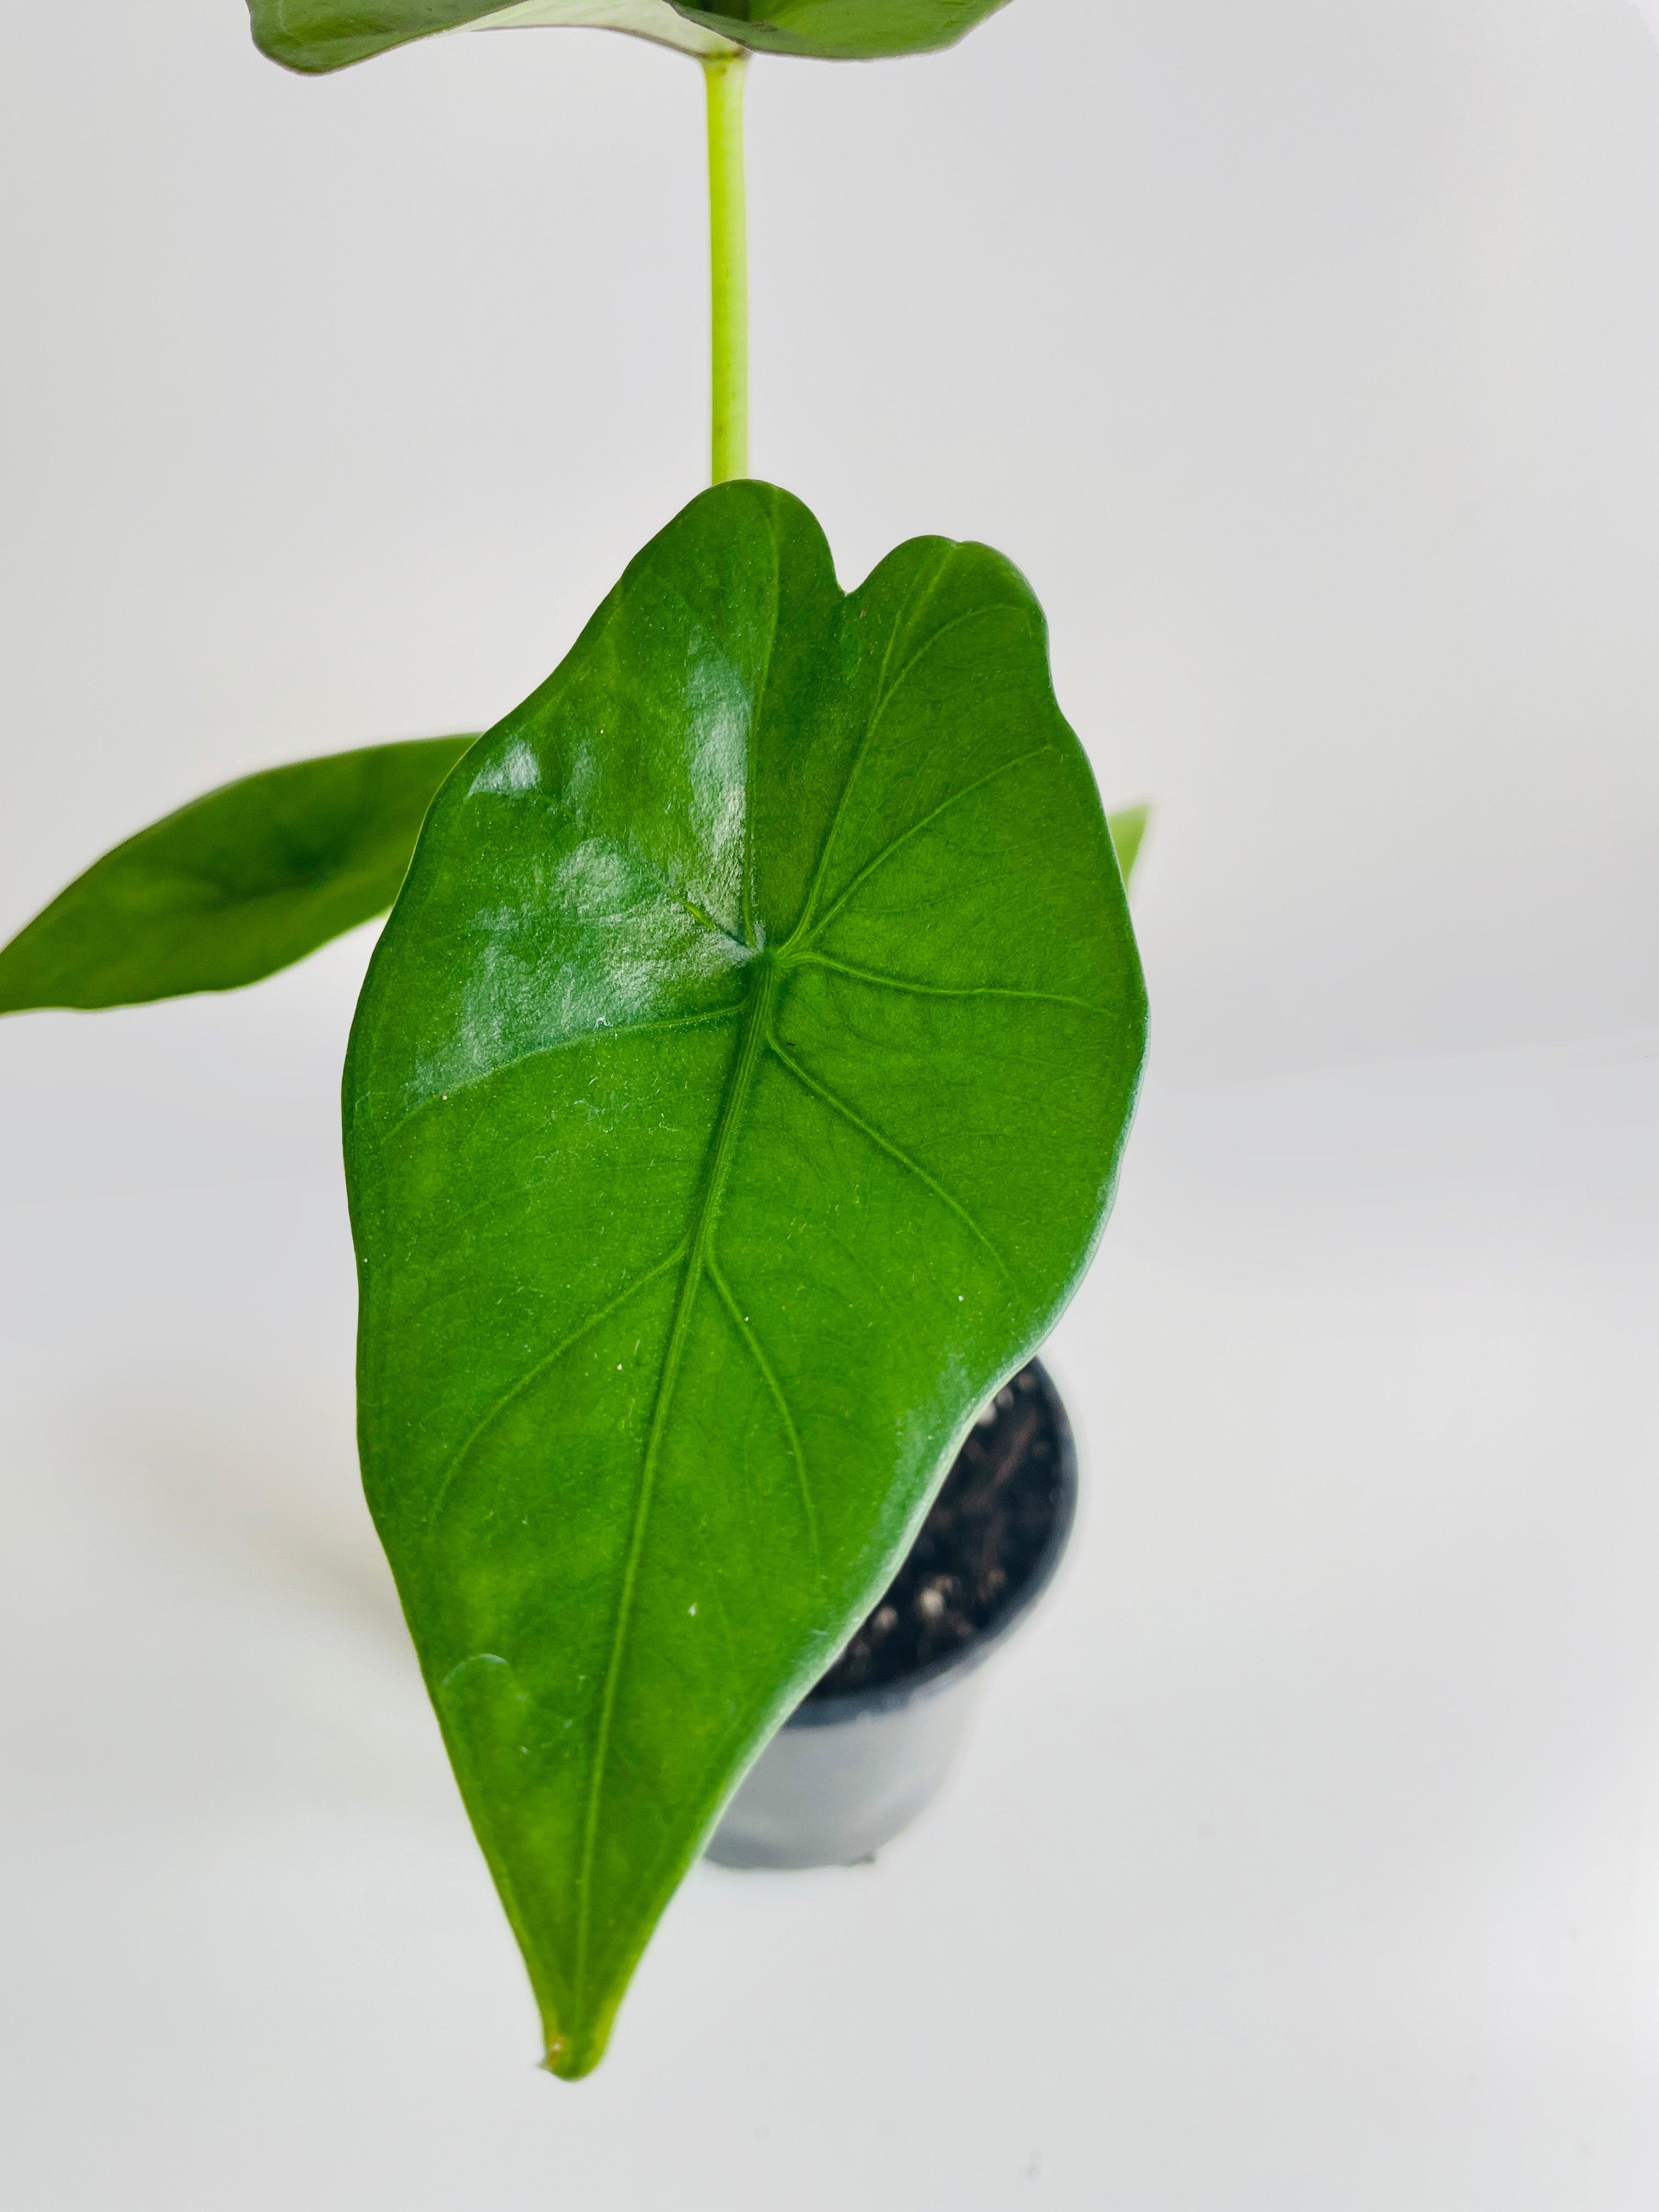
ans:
x=329 y=35
x=733 y=1103
x=235 y=886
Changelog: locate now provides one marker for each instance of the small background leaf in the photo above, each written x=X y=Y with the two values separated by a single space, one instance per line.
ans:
x=1128 y=829
x=733 y=1103
x=239 y=884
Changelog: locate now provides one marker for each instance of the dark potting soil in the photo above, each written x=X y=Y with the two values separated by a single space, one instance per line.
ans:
x=977 y=1548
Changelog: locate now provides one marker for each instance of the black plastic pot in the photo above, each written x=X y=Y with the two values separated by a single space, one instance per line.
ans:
x=846 y=1773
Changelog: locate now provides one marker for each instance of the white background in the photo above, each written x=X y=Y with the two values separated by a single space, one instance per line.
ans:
x=1305 y=353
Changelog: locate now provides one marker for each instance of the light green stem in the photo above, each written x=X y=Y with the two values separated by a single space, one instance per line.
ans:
x=728 y=262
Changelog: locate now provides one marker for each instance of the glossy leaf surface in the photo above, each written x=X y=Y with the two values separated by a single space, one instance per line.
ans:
x=733 y=1103
x=317 y=35
x=239 y=883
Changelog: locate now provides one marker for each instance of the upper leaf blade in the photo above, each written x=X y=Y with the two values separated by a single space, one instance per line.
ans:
x=243 y=881
x=734 y=1101
x=844 y=30
x=319 y=35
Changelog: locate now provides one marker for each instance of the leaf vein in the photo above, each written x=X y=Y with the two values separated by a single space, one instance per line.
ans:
x=561 y=1044
x=722 y=1151
x=740 y=1322
x=909 y=984
x=533 y=1373
x=881 y=858
x=885 y=1144
x=922 y=588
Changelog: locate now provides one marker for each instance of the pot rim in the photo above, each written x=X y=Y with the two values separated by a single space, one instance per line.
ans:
x=942 y=1673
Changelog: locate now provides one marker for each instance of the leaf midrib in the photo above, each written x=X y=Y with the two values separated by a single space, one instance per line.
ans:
x=741 y=1085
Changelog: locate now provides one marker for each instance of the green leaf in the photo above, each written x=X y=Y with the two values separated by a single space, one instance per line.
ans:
x=734 y=1103
x=234 y=886
x=1128 y=829
x=845 y=30
x=318 y=35
x=315 y=35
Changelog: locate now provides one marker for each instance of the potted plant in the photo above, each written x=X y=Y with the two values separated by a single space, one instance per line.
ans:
x=733 y=1103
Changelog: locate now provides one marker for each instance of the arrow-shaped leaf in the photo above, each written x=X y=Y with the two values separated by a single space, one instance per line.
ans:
x=237 y=884
x=734 y=1101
